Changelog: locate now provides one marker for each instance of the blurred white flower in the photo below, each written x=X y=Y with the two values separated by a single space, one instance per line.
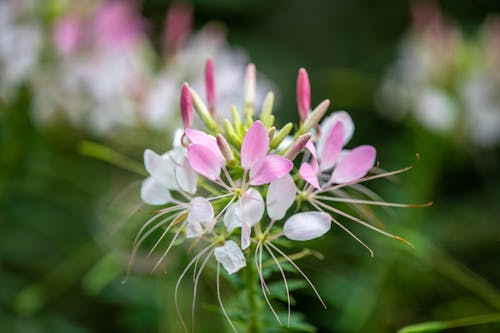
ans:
x=448 y=84
x=20 y=44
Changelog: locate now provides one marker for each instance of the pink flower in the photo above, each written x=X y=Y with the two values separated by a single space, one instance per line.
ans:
x=206 y=158
x=347 y=165
x=117 y=24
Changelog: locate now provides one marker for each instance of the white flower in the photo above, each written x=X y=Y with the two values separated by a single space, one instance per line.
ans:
x=170 y=171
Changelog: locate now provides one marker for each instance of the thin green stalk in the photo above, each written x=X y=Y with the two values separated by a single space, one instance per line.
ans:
x=254 y=320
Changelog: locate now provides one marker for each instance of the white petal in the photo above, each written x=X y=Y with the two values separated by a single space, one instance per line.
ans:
x=246 y=233
x=186 y=177
x=249 y=208
x=231 y=221
x=193 y=229
x=178 y=137
x=230 y=256
x=161 y=168
x=328 y=123
x=307 y=226
x=201 y=211
x=280 y=196
x=154 y=193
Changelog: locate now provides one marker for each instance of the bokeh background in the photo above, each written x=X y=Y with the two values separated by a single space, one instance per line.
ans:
x=67 y=219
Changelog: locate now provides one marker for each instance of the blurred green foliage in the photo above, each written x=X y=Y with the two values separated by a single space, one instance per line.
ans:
x=62 y=260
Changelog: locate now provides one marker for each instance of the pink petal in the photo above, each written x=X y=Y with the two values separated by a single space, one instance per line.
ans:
x=271 y=168
x=210 y=84
x=254 y=146
x=330 y=121
x=186 y=106
x=314 y=156
x=354 y=165
x=204 y=161
x=303 y=94
x=333 y=146
x=308 y=173
x=208 y=141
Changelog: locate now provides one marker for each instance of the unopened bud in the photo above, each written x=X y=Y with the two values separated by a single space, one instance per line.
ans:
x=316 y=115
x=238 y=125
x=250 y=77
x=231 y=134
x=282 y=134
x=186 y=106
x=267 y=110
x=202 y=110
x=303 y=94
x=297 y=147
x=271 y=133
x=210 y=85
x=224 y=148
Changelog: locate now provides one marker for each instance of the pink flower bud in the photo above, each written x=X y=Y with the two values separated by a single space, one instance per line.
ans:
x=210 y=85
x=303 y=94
x=250 y=78
x=186 y=106
x=177 y=26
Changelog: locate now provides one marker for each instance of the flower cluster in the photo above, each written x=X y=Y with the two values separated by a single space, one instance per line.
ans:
x=94 y=66
x=237 y=188
x=448 y=83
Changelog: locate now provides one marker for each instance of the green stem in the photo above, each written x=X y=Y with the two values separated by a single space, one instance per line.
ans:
x=254 y=322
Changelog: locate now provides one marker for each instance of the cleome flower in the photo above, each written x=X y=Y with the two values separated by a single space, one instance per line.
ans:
x=229 y=189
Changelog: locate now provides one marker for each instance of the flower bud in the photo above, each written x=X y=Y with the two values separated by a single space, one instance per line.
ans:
x=297 y=146
x=224 y=148
x=316 y=115
x=250 y=78
x=202 y=110
x=186 y=106
x=303 y=94
x=210 y=85
x=282 y=134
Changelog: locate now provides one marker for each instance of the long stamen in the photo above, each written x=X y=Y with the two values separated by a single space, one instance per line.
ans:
x=370 y=194
x=195 y=287
x=364 y=179
x=138 y=243
x=300 y=271
x=169 y=247
x=220 y=300
x=176 y=221
x=370 y=202
x=179 y=280
x=151 y=220
x=366 y=224
x=284 y=281
x=258 y=263
x=341 y=226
